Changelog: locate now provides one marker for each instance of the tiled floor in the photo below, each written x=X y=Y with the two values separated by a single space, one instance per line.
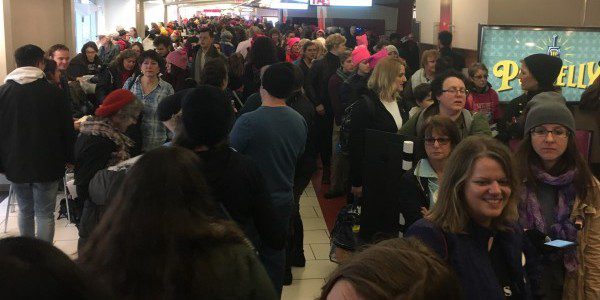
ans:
x=307 y=281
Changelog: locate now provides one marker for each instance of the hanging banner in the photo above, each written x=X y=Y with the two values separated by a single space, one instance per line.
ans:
x=501 y=49
x=321 y=16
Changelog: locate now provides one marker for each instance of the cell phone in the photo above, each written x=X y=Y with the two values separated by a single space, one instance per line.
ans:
x=560 y=244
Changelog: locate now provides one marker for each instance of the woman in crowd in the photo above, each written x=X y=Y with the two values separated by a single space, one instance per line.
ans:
x=102 y=143
x=537 y=75
x=150 y=89
x=420 y=186
x=262 y=53
x=340 y=164
x=52 y=72
x=121 y=69
x=427 y=71
x=161 y=241
x=560 y=201
x=133 y=36
x=85 y=63
x=473 y=225
x=275 y=35
x=177 y=70
x=108 y=50
x=292 y=50
x=34 y=269
x=235 y=66
x=380 y=109
x=449 y=93
x=356 y=84
x=393 y=269
x=308 y=55
x=482 y=98
x=234 y=179
x=138 y=48
x=227 y=47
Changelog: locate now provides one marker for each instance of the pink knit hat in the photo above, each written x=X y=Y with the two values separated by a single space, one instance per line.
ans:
x=293 y=41
x=178 y=58
x=362 y=40
x=375 y=58
x=359 y=54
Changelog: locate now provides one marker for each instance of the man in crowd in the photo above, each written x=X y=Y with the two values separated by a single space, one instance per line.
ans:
x=445 y=45
x=243 y=46
x=36 y=141
x=318 y=92
x=274 y=136
x=61 y=55
x=204 y=52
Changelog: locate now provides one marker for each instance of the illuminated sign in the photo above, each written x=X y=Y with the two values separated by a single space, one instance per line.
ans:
x=502 y=48
x=284 y=4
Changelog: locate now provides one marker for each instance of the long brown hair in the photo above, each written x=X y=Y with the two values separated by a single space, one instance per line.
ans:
x=570 y=159
x=451 y=212
x=397 y=269
x=148 y=242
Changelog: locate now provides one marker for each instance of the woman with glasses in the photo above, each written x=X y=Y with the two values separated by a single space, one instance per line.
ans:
x=449 y=95
x=420 y=186
x=473 y=225
x=560 y=201
x=482 y=97
x=85 y=63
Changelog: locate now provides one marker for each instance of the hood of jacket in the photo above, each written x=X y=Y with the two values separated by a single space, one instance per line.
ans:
x=25 y=75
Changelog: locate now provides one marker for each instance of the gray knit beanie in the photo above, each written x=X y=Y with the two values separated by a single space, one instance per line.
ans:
x=549 y=108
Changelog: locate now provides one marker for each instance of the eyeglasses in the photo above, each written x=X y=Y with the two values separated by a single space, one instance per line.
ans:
x=441 y=141
x=456 y=91
x=541 y=132
x=481 y=76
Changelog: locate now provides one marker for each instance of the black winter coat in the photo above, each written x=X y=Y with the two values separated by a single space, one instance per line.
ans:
x=92 y=154
x=372 y=115
x=414 y=194
x=319 y=74
x=237 y=183
x=36 y=132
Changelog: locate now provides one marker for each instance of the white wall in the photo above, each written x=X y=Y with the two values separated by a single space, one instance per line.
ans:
x=153 y=12
x=117 y=13
x=466 y=15
x=428 y=13
x=389 y=14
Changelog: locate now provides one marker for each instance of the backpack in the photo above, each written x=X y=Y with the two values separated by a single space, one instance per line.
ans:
x=346 y=124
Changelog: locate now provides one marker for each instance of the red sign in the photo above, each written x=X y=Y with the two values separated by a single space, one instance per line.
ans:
x=212 y=10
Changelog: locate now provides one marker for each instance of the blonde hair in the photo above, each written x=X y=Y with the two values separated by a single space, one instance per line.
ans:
x=427 y=54
x=384 y=75
x=450 y=212
x=334 y=40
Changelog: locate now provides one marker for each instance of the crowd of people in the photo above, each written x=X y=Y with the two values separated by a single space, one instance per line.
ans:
x=191 y=147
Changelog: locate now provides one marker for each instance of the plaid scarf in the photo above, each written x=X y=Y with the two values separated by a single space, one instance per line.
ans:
x=530 y=213
x=101 y=127
x=343 y=75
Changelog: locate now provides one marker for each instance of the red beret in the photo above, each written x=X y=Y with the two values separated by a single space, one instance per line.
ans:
x=114 y=102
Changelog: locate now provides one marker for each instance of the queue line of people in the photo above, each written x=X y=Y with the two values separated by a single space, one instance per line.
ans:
x=471 y=213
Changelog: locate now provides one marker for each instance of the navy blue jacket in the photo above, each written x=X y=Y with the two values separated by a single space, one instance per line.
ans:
x=468 y=255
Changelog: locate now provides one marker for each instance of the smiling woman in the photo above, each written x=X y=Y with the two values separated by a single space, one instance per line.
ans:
x=473 y=225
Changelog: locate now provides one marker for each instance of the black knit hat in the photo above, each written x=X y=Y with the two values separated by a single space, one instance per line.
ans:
x=170 y=105
x=544 y=68
x=278 y=80
x=207 y=115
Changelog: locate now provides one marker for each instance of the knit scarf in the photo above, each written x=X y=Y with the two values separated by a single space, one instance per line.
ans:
x=530 y=214
x=343 y=75
x=99 y=127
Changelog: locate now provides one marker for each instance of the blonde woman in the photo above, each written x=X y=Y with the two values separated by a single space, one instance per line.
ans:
x=378 y=109
x=473 y=225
